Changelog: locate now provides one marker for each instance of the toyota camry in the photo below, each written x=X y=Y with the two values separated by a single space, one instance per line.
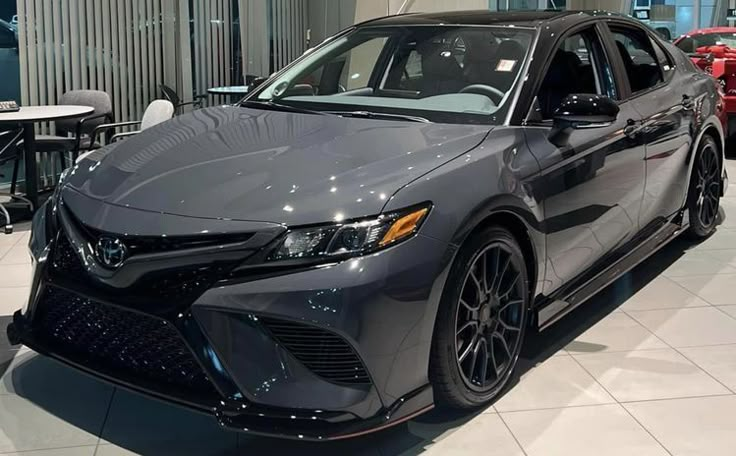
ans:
x=372 y=230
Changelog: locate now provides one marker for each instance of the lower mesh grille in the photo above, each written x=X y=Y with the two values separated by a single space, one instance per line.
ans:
x=323 y=352
x=120 y=342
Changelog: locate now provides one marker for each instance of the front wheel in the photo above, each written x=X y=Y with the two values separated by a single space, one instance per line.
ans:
x=705 y=190
x=481 y=321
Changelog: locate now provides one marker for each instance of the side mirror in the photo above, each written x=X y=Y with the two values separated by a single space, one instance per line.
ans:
x=255 y=82
x=585 y=111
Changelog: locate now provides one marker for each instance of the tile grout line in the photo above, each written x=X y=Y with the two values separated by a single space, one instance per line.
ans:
x=684 y=356
x=104 y=420
x=45 y=449
x=506 y=425
x=622 y=406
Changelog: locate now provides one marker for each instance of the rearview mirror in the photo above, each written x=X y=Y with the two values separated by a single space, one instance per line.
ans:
x=585 y=111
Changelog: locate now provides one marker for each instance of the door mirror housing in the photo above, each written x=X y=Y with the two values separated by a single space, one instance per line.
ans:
x=255 y=82
x=584 y=110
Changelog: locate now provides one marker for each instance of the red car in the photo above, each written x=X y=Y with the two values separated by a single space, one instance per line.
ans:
x=714 y=51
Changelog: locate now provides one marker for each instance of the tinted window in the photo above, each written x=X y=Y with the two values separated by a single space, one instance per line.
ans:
x=639 y=59
x=578 y=66
x=7 y=38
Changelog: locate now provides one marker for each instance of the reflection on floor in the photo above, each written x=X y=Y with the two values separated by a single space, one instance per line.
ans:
x=648 y=367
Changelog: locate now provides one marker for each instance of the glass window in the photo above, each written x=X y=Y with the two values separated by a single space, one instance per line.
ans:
x=442 y=74
x=639 y=59
x=7 y=37
x=575 y=69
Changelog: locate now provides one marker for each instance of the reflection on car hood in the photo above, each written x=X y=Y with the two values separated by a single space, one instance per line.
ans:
x=249 y=164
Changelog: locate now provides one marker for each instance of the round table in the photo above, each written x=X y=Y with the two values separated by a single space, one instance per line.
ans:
x=26 y=117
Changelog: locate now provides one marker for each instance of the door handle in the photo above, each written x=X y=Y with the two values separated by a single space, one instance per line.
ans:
x=687 y=102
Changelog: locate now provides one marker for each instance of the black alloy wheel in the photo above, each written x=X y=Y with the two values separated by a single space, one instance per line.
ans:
x=488 y=319
x=481 y=322
x=705 y=189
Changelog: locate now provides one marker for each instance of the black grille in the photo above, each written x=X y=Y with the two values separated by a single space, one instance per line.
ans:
x=120 y=343
x=65 y=259
x=323 y=352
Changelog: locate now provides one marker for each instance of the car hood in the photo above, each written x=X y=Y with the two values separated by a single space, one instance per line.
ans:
x=262 y=165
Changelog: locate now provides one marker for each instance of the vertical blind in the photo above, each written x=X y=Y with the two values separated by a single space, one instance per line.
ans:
x=110 y=45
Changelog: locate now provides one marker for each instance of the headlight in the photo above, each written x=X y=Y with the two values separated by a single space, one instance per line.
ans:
x=350 y=238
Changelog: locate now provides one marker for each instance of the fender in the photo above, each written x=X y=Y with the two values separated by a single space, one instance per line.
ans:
x=711 y=121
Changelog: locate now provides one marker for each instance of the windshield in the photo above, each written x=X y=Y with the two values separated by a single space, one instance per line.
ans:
x=690 y=44
x=443 y=74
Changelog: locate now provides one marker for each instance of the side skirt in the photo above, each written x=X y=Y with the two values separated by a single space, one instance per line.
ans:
x=554 y=309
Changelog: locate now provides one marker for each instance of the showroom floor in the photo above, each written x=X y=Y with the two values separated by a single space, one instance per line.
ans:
x=648 y=367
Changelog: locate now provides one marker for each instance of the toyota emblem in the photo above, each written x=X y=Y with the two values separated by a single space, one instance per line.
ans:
x=110 y=252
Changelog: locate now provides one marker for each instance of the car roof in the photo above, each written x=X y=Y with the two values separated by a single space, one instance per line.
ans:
x=705 y=31
x=485 y=17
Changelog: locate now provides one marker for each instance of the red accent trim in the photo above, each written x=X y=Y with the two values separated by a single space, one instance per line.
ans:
x=384 y=426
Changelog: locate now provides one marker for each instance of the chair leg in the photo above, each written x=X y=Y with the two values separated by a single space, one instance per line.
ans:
x=14 y=180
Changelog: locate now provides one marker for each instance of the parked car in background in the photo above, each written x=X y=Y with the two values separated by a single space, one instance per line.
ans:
x=374 y=229
x=713 y=50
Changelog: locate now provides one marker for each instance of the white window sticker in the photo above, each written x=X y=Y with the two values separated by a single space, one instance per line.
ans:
x=506 y=65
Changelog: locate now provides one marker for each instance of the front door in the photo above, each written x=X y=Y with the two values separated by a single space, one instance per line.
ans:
x=592 y=179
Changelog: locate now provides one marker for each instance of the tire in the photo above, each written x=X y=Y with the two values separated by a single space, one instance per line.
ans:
x=473 y=325
x=703 y=199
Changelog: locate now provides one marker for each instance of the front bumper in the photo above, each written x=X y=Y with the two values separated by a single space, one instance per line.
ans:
x=251 y=339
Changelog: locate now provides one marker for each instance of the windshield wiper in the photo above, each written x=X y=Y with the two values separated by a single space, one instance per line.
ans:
x=378 y=115
x=278 y=107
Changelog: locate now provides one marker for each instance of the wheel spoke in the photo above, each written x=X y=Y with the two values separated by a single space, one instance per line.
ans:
x=514 y=302
x=467 y=325
x=504 y=344
x=507 y=326
x=478 y=285
x=468 y=306
x=484 y=364
x=474 y=360
x=467 y=350
x=492 y=353
x=511 y=286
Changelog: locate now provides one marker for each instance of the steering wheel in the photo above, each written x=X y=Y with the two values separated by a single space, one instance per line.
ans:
x=481 y=89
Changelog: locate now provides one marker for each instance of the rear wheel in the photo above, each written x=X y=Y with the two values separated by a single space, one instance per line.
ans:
x=481 y=321
x=705 y=190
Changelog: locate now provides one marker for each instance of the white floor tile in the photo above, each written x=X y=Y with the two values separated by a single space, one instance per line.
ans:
x=688 y=427
x=18 y=254
x=719 y=361
x=603 y=430
x=718 y=289
x=73 y=451
x=689 y=327
x=25 y=425
x=485 y=434
x=697 y=262
x=723 y=238
x=15 y=275
x=731 y=310
x=649 y=374
x=12 y=299
x=662 y=293
x=146 y=426
x=558 y=382
x=616 y=332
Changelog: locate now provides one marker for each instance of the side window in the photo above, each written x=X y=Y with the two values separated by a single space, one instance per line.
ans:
x=663 y=59
x=578 y=66
x=639 y=59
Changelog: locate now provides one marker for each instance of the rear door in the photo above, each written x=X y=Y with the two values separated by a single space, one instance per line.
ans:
x=665 y=101
x=591 y=184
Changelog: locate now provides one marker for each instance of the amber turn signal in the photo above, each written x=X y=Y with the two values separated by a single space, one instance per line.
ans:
x=403 y=227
